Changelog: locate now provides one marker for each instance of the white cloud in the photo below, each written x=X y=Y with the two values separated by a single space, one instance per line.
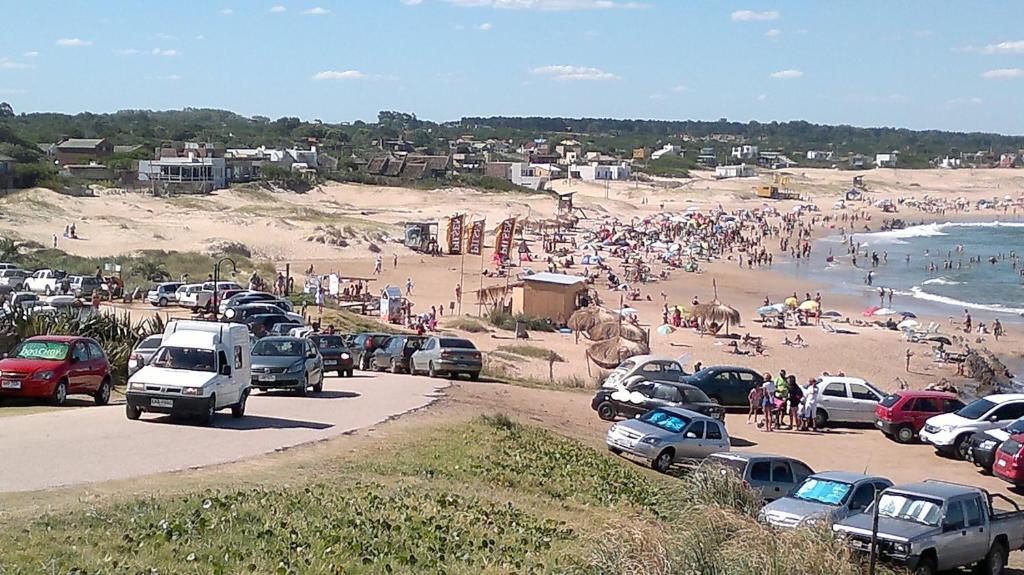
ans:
x=335 y=75
x=773 y=33
x=485 y=26
x=73 y=42
x=316 y=11
x=1014 y=47
x=412 y=2
x=227 y=11
x=159 y=52
x=752 y=16
x=278 y=8
x=786 y=74
x=563 y=72
x=680 y=88
x=549 y=5
x=1001 y=73
x=31 y=54
x=762 y=97
x=171 y=78
x=965 y=101
x=8 y=64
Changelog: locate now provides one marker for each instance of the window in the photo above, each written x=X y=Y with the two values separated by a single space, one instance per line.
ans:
x=926 y=405
x=722 y=378
x=781 y=473
x=666 y=393
x=238 y=357
x=95 y=352
x=954 y=515
x=972 y=512
x=714 y=431
x=864 y=496
x=858 y=391
x=80 y=353
x=835 y=390
x=645 y=389
x=760 y=471
x=800 y=470
x=652 y=367
x=672 y=366
x=952 y=405
x=747 y=379
x=1009 y=411
x=222 y=359
x=697 y=428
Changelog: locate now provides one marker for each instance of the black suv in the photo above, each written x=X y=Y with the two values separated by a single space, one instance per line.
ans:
x=644 y=396
x=726 y=384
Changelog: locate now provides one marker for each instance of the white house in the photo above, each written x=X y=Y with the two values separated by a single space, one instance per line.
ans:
x=745 y=152
x=735 y=171
x=950 y=162
x=820 y=155
x=886 y=160
x=528 y=176
x=600 y=172
x=189 y=169
x=668 y=150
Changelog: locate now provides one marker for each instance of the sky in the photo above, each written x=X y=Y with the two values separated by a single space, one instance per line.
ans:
x=918 y=64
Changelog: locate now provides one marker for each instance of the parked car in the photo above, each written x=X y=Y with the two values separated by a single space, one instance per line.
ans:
x=194 y=297
x=14 y=278
x=261 y=324
x=668 y=435
x=83 y=286
x=1009 y=464
x=447 y=356
x=45 y=281
x=364 y=344
x=336 y=354
x=240 y=312
x=395 y=355
x=950 y=432
x=163 y=294
x=936 y=526
x=774 y=476
x=650 y=367
x=285 y=327
x=7 y=266
x=200 y=368
x=725 y=384
x=54 y=367
x=21 y=300
x=243 y=298
x=644 y=396
x=901 y=414
x=983 y=446
x=822 y=498
x=845 y=400
x=287 y=363
x=143 y=353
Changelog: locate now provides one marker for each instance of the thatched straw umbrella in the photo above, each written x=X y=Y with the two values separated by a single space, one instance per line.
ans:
x=609 y=329
x=717 y=312
x=608 y=354
x=585 y=319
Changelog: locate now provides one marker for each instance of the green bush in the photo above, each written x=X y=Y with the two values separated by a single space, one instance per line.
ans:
x=503 y=320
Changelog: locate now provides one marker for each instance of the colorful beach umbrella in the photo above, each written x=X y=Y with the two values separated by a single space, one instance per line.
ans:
x=792 y=301
x=809 y=305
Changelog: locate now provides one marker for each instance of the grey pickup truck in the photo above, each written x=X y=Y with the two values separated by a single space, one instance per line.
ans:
x=935 y=526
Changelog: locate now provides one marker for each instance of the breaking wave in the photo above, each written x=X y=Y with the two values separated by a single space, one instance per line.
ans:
x=941 y=282
x=919 y=293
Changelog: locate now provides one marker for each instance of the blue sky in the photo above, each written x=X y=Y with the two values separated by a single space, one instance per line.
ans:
x=913 y=63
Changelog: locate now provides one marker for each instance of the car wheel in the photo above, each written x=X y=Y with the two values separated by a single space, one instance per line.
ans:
x=60 y=393
x=926 y=566
x=904 y=434
x=431 y=372
x=820 y=418
x=319 y=386
x=348 y=373
x=474 y=375
x=238 y=409
x=995 y=561
x=102 y=395
x=301 y=389
x=615 y=450
x=394 y=366
x=162 y=302
x=663 y=461
x=132 y=412
x=960 y=447
x=211 y=408
x=606 y=411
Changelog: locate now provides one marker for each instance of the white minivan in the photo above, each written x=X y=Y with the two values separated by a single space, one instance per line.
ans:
x=200 y=368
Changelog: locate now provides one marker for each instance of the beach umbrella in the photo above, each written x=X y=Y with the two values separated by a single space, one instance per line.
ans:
x=584 y=319
x=767 y=310
x=608 y=354
x=870 y=311
x=717 y=312
x=665 y=329
x=907 y=324
x=616 y=329
x=884 y=311
x=809 y=305
x=908 y=314
x=792 y=301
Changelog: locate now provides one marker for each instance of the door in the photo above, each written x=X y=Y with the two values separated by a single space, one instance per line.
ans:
x=314 y=367
x=97 y=366
x=863 y=401
x=665 y=395
x=720 y=387
x=1006 y=414
x=227 y=385
x=639 y=400
x=78 y=374
x=782 y=478
x=761 y=477
x=672 y=371
x=921 y=409
x=693 y=444
x=977 y=538
x=952 y=543
x=743 y=383
x=862 y=497
x=833 y=400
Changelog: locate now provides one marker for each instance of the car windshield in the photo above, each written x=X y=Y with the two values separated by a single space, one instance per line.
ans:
x=625 y=366
x=737 y=466
x=890 y=400
x=151 y=343
x=186 y=358
x=457 y=343
x=665 y=420
x=272 y=347
x=975 y=409
x=1015 y=427
x=329 y=341
x=910 y=508
x=695 y=396
x=824 y=491
x=47 y=350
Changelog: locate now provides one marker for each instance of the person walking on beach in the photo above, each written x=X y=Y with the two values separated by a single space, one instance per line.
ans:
x=810 y=405
x=767 y=400
x=967 y=321
x=997 y=328
x=890 y=297
x=378 y=263
x=755 y=397
x=795 y=396
x=395 y=261
x=910 y=354
x=320 y=301
x=408 y=286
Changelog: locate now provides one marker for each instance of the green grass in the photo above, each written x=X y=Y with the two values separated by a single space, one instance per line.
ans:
x=466 y=324
x=532 y=351
x=504 y=320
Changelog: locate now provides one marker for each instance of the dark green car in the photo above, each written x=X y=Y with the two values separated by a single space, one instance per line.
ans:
x=726 y=384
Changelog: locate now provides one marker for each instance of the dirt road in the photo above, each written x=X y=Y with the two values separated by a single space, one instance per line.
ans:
x=93 y=444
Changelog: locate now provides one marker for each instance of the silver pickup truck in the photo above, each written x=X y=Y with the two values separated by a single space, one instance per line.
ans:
x=935 y=526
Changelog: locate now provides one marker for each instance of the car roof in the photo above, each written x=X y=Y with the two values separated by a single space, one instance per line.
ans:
x=282 y=338
x=1004 y=397
x=846 y=476
x=60 y=338
x=639 y=359
x=924 y=393
x=840 y=379
x=937 y=489
x=748 y=455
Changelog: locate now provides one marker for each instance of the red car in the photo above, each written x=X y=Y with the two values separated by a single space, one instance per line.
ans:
x=901 y=414
x=1009 y=465
x=53 y=367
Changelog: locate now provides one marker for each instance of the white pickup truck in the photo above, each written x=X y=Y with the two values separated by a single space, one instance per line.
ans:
x=45 y=281
x=200 y=368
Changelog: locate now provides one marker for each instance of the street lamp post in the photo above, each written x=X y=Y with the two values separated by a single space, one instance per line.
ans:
x=216 y=279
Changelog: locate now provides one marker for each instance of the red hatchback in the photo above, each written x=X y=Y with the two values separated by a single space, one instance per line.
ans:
x=901 y=414
x=53 y=367
x=1009 y=465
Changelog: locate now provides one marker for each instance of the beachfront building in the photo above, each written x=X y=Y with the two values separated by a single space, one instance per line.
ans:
x=668 y=150
x=92 y=171
x=6 y=173
x=735 y=171
x=568 y=151
x=549 y=296
x=820 y=155
x=83 y=150
x=886 y=160
x=528 y=175
x=745 y=152
x=950 y=162
x=707 y=157
x=595 y=171
x=189 y=173
x=774 y=160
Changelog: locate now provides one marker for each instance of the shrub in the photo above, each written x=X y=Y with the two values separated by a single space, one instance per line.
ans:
x=466 y=324
x=504 y=320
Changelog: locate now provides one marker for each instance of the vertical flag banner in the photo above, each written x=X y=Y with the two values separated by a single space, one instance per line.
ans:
x=455 y=234
x=476 y=238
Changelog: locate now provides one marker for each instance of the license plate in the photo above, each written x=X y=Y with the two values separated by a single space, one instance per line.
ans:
x=265 y=377
x=161 y=402
x=8 y=384
x=330 y=362
x=1001 y=463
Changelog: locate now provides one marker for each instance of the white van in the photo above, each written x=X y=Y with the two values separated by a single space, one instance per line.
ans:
x=200 y=368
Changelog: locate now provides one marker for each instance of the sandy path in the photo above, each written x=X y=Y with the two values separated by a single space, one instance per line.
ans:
x=99 y=444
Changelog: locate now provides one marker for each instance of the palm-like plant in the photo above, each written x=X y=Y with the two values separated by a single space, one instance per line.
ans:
x=151 y=270
x=9 y=250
